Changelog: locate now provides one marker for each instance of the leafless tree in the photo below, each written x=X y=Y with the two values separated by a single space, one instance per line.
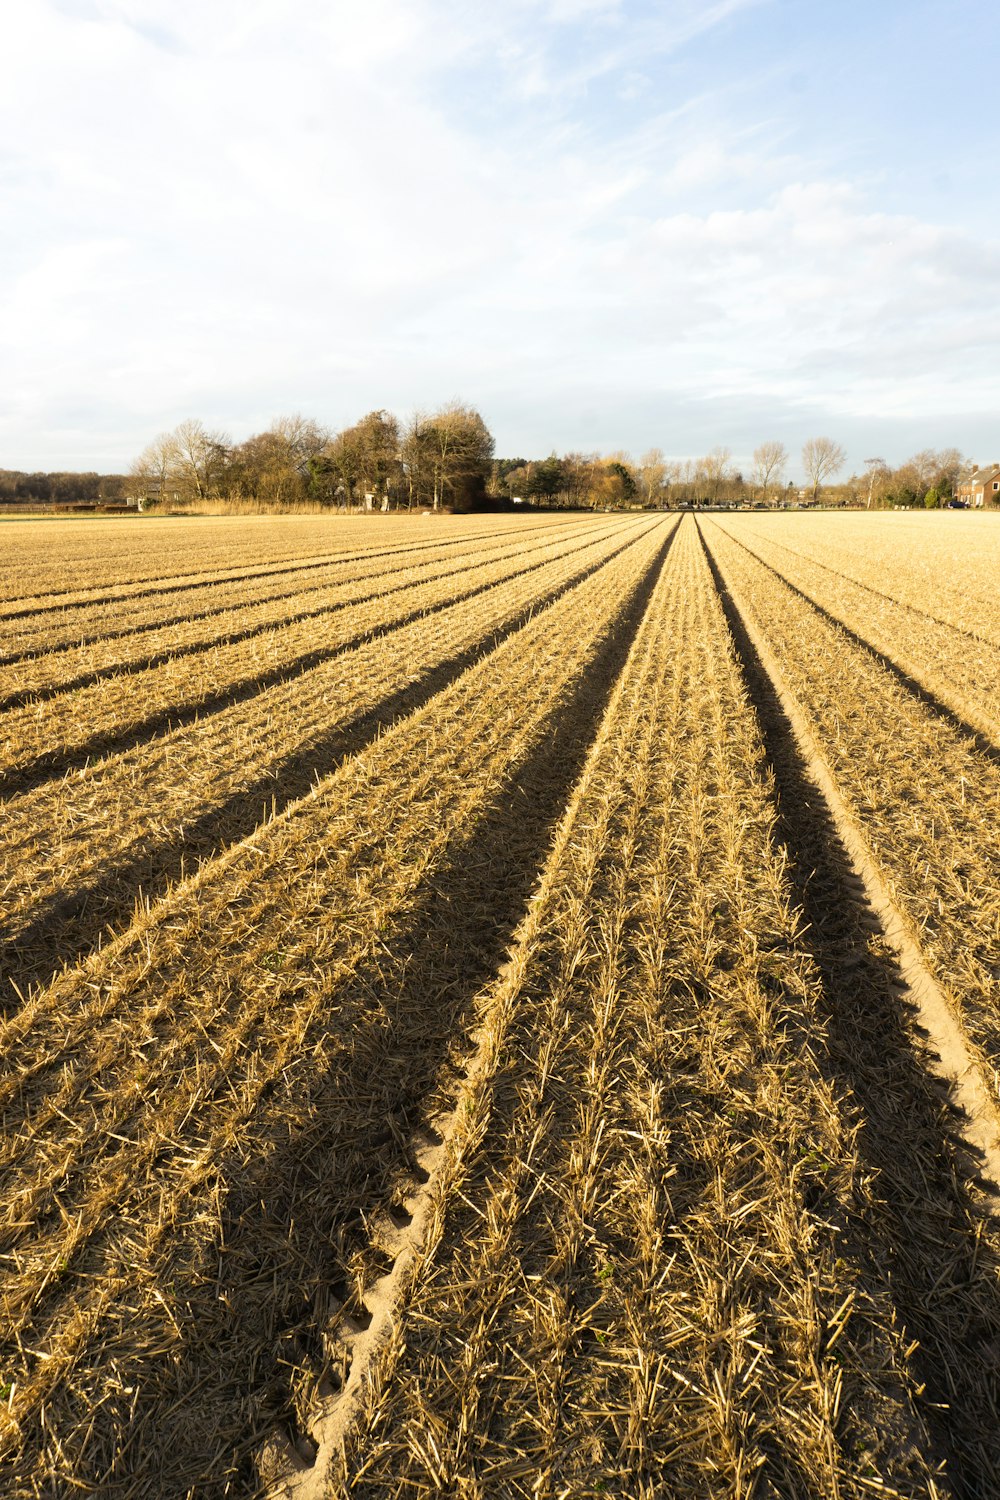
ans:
x=198 y=458
x=821 y=458
x=149 y=475
x=769 y=462
x=274 y=465
x=651 y=474
x=366 y=461
x=938 y=469
x=715 y=467
x=186 y=464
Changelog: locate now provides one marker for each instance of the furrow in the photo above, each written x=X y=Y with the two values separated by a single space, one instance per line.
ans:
x=918 y=595
x=129 y=826
x=952 y=677
x=219 y=595
x=925 y=799
x=942 y=567
x=65 y=669
x=156 y=583
x=39 y=744
x=641 y=1274
x=925 y=1124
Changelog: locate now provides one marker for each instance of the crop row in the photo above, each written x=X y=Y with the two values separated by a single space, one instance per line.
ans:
x=39 y=738
x=56 y=622
x=943 y=569
x=81 y=848
x=201 y=1116
x=53 y=564
x=961 y=672
x=923 y=792
x=218 y=616
x=650 y=1270
x=59 y=563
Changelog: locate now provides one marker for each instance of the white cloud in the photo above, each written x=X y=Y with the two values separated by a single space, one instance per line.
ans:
x=238 y=208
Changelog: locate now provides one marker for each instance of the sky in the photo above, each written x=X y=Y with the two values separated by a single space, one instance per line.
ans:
x=607 y=224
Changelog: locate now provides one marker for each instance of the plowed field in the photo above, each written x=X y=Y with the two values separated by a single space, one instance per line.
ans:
x=500 y=1007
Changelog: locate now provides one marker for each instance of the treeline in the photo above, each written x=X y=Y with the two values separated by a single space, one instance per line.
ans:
x=441 y=460
x=445 y=460
x=928 y=478
x=20 y=488
x=654 y=481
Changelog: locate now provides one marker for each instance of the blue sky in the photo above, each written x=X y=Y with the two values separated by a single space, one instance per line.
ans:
x=609 y=224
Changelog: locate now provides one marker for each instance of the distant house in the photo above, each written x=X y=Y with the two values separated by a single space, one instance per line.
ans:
x=978 y=487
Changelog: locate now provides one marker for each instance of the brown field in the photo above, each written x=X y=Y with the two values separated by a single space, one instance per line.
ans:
x=500 y=1007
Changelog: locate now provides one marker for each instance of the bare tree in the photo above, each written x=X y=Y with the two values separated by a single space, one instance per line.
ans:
x=716 y=469
x=685 y=480
x=197 y=458
x=380 y=441
x=950 y=464
x=935 y=469
x=652 y=474
x=149 y=475
x=275 y=465
x=579 y=476
x=769 y=462
x=821 y=458
x=366 y=461
x=187 y=463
